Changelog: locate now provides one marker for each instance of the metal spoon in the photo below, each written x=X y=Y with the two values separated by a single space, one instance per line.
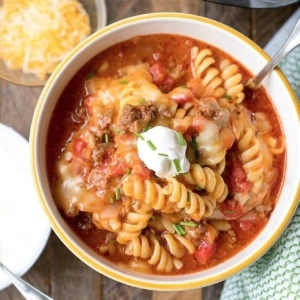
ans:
x=291 y=43
x=255 y=3
x=28 y=291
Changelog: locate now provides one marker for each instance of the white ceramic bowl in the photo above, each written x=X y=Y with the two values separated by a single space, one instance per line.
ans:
x=238 y=46
x=96 y=10
x=18 y=204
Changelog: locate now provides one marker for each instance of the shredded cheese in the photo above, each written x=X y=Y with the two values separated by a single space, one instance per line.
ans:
x=36 y=34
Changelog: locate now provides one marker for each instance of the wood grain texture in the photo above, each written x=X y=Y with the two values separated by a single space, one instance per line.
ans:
x=58 y=272
x=17 y=106
x=266 y=23
x=235 y=17
x=68 y=273
x=183 y=295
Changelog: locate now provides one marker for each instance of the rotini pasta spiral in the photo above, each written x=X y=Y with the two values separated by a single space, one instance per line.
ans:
x=201 y=60
x=220 y=191
x=110 y=248
x=254 y=152
x=232 y=81
x=134 y=221
x=151 y=248
x=184 y=198
x=252 y=159
x=203 y=178
x=206 y=178
x=220 y=167
x=139 y=247
x=144 y=190
x=183 y=117
x=177 y=244
x=276 y=146
x=202 y=67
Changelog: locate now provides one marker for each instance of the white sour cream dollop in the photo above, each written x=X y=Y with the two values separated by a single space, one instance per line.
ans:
x=163 y=151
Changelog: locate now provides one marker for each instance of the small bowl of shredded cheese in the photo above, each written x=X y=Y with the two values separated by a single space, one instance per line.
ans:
x=37 y=34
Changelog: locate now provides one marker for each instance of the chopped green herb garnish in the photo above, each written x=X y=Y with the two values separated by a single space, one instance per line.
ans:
x=190 y=224
x=181 y=138
x=90 y=75
x=123 y=81
x=179 y=229
x=128 y=171
x=116 y=130
x=227 y=96
x=146 y=128
x=117 y=193
x=111 y=241
x=177 y=164
x=106 y=138
x=162 y=154
x=176 y=229
x=151 y=145
x=139 y=135
x=111 y=199
x=184 y=87
x=143 y=100
x=153 y=218
x=193 y=143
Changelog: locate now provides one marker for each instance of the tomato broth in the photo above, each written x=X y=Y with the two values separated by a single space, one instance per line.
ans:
x=109 y=196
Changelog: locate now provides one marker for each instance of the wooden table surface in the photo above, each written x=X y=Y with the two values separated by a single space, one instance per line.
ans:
x=58 y=272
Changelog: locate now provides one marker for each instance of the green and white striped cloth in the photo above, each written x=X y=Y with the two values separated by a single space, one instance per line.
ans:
x=276 y=275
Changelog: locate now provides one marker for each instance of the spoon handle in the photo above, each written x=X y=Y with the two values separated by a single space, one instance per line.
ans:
x=291 y=43
x=28 y=291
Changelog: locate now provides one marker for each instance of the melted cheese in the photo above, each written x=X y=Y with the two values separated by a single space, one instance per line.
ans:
x=37 y=34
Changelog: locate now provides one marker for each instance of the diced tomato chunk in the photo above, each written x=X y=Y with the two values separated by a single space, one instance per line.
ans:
x=179 y=128
x=204 y=252
x=108 y=153
x=161 y=78
x=237 y=170
x=118 y=168
x=169 y=84
x=246 y=225
x=231 y=209
x=78 y=146
x=158 y=73
x=197 y=125
x=181 y=95
x=243 y=187
x=140 y=170
x=238 y=179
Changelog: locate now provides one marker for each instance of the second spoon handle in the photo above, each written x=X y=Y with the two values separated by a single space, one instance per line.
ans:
x=291 y=43
x=28 y=291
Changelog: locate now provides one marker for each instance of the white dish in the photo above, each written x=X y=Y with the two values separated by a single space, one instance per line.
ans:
x=24 y=229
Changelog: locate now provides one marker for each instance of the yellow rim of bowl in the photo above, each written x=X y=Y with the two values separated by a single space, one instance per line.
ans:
x=124 y=278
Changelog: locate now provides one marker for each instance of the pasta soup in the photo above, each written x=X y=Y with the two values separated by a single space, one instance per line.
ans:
x=190 y=219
